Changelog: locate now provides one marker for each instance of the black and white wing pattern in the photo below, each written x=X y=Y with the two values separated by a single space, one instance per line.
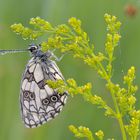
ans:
x=40 y=103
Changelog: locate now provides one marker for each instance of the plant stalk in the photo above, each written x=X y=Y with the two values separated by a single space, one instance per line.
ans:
x=118 y=114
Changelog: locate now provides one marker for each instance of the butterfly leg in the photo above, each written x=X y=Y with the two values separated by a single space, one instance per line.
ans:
x=58 y=58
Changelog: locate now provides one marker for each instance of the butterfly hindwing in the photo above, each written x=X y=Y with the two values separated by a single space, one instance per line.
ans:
x=39 y=102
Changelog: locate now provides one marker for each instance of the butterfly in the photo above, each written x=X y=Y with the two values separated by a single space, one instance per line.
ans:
x=39 y=103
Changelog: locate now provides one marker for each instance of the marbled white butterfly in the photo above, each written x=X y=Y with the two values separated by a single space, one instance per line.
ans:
x=39 y=103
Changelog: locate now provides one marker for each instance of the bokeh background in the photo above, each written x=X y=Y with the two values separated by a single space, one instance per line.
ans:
x=77 y=111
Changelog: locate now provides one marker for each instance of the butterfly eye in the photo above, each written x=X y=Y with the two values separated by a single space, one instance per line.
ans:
x=54 y=98
x=33 y=48
x=45 y=101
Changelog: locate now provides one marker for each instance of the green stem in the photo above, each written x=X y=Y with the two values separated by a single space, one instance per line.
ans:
x=119 y=117
x=136 y=133
x=91 y=138
x=118 y=113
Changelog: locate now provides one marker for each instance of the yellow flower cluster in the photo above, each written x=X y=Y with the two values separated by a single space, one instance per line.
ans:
x=81 y=132
x=40 y=23
x=100 y=134
x=113 y=25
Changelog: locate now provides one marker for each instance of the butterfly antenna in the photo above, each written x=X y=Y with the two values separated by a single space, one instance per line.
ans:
x=3 y=52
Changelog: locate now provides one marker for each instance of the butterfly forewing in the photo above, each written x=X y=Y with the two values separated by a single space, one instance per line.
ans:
x=39 y=102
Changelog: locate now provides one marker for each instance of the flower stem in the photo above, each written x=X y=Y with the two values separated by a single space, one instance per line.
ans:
x=136 y=132
x=118 y=114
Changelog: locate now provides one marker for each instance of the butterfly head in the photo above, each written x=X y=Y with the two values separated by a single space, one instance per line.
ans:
x=33 y=48
x=36 y=51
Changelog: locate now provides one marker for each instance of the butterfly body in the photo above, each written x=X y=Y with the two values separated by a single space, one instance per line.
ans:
x=40 y=103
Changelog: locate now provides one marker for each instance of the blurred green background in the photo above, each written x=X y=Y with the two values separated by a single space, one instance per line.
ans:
x=77 y=111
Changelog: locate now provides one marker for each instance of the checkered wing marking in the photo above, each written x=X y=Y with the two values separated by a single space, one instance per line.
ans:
x=40 y=103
